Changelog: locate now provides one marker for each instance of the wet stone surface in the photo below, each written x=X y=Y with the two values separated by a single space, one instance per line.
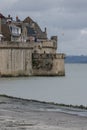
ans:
x=19 y=114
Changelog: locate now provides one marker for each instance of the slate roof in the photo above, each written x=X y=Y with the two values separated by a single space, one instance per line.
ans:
x=1 y=16
x=28 y=20
x=30 y=31
x=36 y=30
x=33 y=29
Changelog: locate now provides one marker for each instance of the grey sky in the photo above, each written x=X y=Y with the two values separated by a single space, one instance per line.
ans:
x=65 y=18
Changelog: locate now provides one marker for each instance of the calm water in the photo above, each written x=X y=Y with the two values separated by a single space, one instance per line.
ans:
x=71 y=89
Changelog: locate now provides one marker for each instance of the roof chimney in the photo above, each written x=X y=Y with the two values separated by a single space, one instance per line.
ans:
x=16 y=18
x=9 y=16
x=45 y=30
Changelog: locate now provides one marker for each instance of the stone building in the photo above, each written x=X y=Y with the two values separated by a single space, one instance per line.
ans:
x=29 y=30
x=2 y=22
x=26 y=50
x=34 y=30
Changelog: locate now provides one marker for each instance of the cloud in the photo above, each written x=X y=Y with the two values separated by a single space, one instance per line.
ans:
x=84 y=31
x=66 y=17
x=74 y=6
x=34 y=5
x=7 y=3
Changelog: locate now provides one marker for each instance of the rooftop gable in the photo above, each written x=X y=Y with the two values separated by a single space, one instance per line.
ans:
x=2 y=16
x=28 y=20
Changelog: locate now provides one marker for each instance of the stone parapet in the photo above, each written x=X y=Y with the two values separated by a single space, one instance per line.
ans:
x=60 y=56
x=20 y=59
x=44 y=44
x=16 y=45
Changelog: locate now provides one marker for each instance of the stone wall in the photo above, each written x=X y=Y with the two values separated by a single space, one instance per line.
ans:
x=59 y=67
x=42 y=61
x=45 y=47
x=48 y=64
x=19 y=59
x=15 y=61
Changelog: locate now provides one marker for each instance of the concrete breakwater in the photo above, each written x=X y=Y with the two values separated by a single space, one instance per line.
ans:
x=28 y=59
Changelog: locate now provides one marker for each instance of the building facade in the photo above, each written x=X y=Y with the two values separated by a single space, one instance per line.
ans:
x=26 y=50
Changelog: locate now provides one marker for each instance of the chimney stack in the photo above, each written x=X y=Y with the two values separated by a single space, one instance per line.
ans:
x=16 y=18
x=45 y=30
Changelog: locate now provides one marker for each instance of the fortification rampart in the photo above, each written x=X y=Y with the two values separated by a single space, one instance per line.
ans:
x=27 y=59
x=49 y=44
x=45 y=47
x=16 y=45
x=48 y=64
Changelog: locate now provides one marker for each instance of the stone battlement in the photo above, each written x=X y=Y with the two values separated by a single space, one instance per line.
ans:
x=46 y=56
x=28 y=59
x=43 y=44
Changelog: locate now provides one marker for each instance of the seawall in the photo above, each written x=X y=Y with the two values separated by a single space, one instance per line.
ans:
x=15 y=59
x=48 y=64
x=18 y=59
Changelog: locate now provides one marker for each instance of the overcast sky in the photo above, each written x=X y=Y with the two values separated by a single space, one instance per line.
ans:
x=65 y=18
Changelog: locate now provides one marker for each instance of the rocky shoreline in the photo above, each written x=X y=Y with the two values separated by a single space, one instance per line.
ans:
x=21 y=114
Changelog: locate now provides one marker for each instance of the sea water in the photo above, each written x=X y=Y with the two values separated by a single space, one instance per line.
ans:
x=70 y=89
